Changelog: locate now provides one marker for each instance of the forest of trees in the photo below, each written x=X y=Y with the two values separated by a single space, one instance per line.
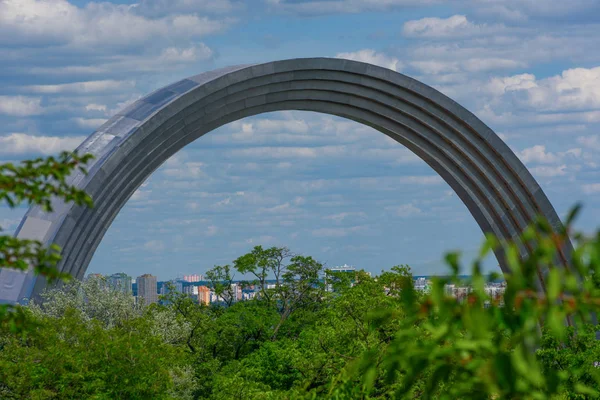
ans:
x=376 y=338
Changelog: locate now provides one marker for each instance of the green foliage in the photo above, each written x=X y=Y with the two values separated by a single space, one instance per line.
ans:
x=69 y=357
x=36 y=182
x=221 y=279
x=368 y=338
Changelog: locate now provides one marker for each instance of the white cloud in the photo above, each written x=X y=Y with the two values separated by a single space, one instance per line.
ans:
x=371 y=183
x=538 y=154
x=319 y=7
x=573 y=89
x=21 y=143
x=89 y=123
x=185 y=170
x=522 y=10
x=285 y=208
x=96 y=107
x=154 y=246
x=108 y=85
x=590 y=142
x=451 y=69
x=224 y=202
x=451 y=27
x=97 y=24
x=337 y=232
x=20 y=106
x=498 y=86
x=548 y=171
x=395 y=154
x=140 y=195
x=198 y=52
x=372 y=57
x=211 y=230
x=591 y=188
x=577 y=88
x=339 y=217
x=160 y=7
x=405 y=210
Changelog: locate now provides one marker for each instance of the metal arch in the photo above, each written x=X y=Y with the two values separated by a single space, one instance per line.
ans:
x=495 y=186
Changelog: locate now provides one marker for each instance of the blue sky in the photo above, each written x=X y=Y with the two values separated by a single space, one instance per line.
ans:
x=322 y=186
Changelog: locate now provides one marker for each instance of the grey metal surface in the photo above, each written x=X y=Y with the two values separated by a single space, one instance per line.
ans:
x=495 y=186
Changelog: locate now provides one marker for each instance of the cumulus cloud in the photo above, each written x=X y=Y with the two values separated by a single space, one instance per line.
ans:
x=160 y=7
x=96 y=24
x=573 y=89
x=89 y=123
x=538 y=154
x=471 y=65
x=108 y=85
x=451 y=27
x=590 y=142
x=591 y=188
x=548 y=171
x=20 y=106
x=500 y=85
x=198 y=52
x=96 y=107
x=519 y=10
x=185 y=170
x=21 y=143
x=319 y=7
x=372 y=57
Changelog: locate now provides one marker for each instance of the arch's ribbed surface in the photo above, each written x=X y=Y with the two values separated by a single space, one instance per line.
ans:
x=495 y=186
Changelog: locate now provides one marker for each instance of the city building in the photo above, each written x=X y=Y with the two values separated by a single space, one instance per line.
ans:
x=192 y=278
x=422 y=284
x=343 y=268
x=177 y=286
x=121 y=282
x=204 y=295
x=191 y=290
x=147 y=288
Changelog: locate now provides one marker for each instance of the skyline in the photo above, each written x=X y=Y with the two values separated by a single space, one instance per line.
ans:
x=320 y=185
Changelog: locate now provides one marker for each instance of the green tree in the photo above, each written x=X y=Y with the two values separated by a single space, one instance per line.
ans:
x=301 y=287
x=70 y=357
x=94 y=298
x=447 y=349
x=261 y=263
x=36 y=182
x=221 y=282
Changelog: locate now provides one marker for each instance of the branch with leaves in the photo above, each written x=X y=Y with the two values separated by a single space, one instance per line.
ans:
x=37 y=182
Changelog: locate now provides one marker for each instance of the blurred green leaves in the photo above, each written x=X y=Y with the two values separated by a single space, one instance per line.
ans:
x=40 y=182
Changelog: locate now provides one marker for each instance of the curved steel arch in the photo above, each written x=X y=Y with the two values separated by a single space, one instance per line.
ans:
x=495 y=186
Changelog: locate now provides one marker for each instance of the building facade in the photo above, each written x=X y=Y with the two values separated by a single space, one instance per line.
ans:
x=192 y=278
x=147 y=288
x=120 y=282
x=204 y=295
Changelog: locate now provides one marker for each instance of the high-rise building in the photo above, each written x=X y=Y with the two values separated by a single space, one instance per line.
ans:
x=120 y=282
x=204 y=295
x=147 y=288
x=176 y=285
x=192 y=278
x=94 y=276
x=191 y=290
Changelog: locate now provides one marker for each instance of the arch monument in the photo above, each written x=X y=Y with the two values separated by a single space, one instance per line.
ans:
x=495 y=186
